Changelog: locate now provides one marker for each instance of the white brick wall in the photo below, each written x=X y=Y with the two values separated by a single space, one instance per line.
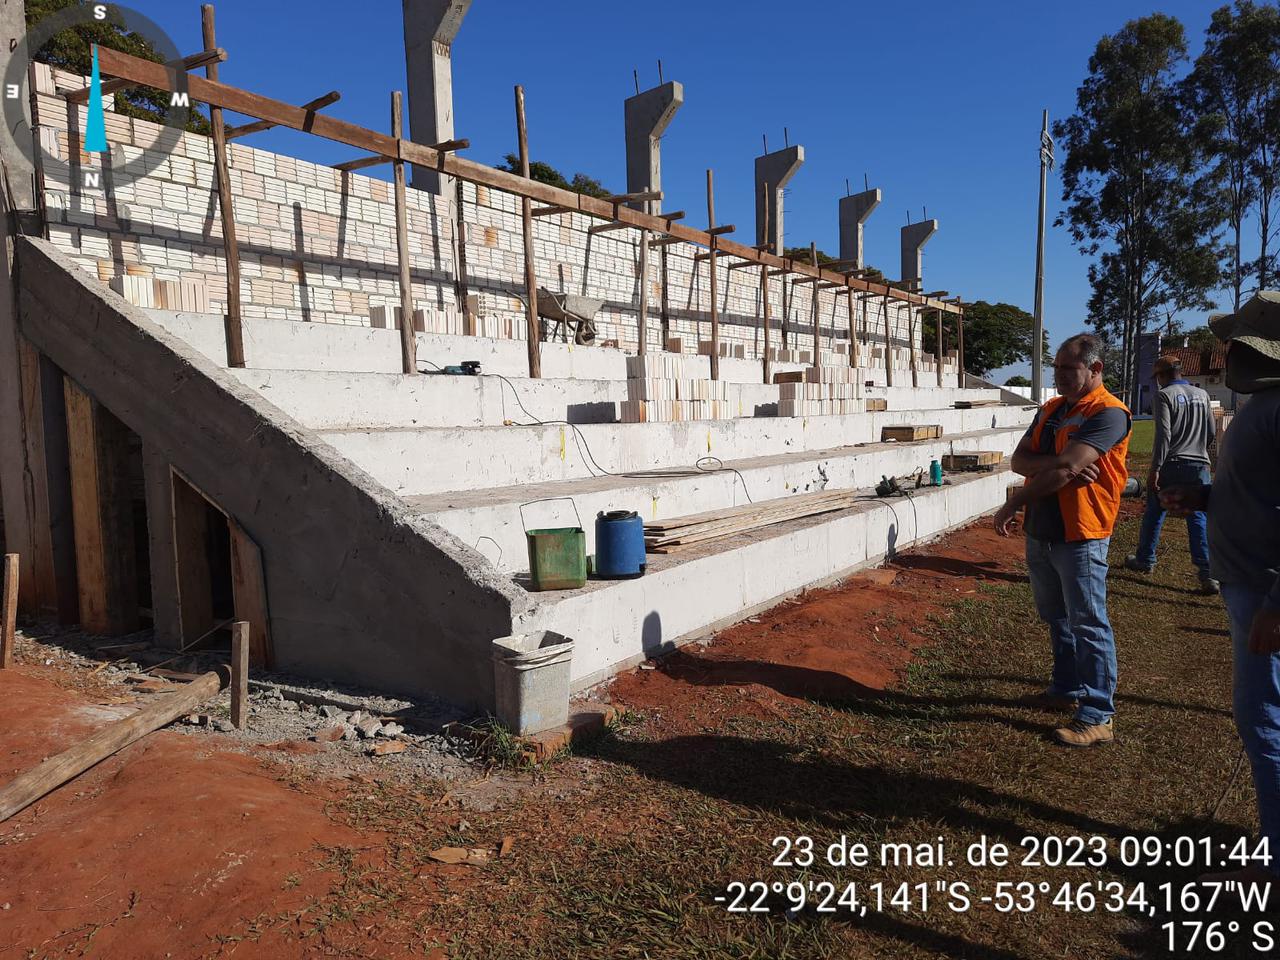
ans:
x=319 y=245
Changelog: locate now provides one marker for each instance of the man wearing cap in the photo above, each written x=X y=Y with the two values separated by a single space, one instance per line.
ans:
x=1179 y=456
x=1073 y=457
x=1243 y=505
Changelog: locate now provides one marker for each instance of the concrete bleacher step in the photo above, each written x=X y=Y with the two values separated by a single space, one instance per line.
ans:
x=430 y=460
x=491 y=521
x=618 y=623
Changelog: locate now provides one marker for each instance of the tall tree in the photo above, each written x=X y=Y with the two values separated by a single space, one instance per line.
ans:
x=995 y=335
x=1129 y=183
x=1234 y=93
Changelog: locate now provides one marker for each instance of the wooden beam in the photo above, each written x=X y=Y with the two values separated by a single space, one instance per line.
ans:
x=117 y=64
x=672 y=216
x=853 y=340
x=637 y=197
x=408 y=338
x=764 y=290
x=51 y=773
x=549 y=211
x=817 y=330
x=239 y=674
x=102 y=515
x=8 y=610
x=960 y=351
x=742 y=264
x=361 y=163
x=249 y=591
x=533 y=332
x=230 y=245
x=606 y=227
x=666 y=241
x=258 y=126
x=718 y=231
x=194 y=62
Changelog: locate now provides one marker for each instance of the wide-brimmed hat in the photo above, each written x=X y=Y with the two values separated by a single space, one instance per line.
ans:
x=1256 y=324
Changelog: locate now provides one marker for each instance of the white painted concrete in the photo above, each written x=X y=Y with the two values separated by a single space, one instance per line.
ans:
x=431 y=460
x=491 y=520
x=615 y=624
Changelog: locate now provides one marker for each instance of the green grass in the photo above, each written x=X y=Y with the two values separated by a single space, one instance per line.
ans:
x=1144 y=435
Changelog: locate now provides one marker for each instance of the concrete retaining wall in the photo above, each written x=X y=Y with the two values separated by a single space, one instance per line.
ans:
x=360 y=588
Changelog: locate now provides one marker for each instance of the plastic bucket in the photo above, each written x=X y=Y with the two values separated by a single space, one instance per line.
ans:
x=557 y=555
x=619 y=544
x=531 y=680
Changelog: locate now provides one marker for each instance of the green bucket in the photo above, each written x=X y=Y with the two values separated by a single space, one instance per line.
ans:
x=557 y=555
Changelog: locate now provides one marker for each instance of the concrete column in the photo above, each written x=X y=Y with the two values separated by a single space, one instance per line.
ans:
x=774 y=170
x=854 y=211
x=646 y=116
x=914 y=237
x=429 y=30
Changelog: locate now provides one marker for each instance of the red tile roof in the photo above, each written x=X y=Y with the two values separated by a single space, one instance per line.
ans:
x=1198 y=362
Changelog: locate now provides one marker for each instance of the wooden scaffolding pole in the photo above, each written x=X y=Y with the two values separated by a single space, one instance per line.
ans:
x=888 y=344
x=408 y=337
x=940 y=352
x=813 y=297
x=853 y=340
x=711 y=268
x=642 y=310
x=231 y=246
x=960 y=350
x=533 y=332
x=9 y=610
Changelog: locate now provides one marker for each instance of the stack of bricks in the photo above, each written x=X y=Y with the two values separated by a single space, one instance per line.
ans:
x=424 y=321
x=664 y=387
x=179 y=295
x=779 y=355
x=824 y=392
x=736 y=351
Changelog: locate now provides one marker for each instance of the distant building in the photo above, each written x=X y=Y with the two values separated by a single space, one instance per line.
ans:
x=1204 y=367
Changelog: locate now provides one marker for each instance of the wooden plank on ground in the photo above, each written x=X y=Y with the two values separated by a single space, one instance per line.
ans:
x=973 y=404
x=249 y=586
x=909 y=433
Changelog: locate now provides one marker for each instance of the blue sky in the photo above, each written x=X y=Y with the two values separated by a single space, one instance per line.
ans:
x=936 y=103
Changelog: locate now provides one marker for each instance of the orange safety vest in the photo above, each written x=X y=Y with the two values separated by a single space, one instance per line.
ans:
x=1089 y=512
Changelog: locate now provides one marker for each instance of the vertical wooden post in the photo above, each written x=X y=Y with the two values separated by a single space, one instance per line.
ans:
x=813 y=296
x=941 y=352
x=240 y=669
x=711 y=267
x=666 y=317
x=231 y=247
x=888 y=343
x=642 y=313
x=853 y=340
x=911 y=346
x=530 y=274
x=9 y=611
x=408 y=336
x=960 y=349
x=102 y=512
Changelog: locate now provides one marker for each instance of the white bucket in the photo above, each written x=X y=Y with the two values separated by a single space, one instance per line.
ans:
x=531 y=680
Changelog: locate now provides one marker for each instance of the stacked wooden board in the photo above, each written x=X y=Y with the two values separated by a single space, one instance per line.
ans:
x=972 y=460
x=909 y=433
x=818 y=392
x=668 y=536
x=974 y=404
x=666 y=387
x=184 y=295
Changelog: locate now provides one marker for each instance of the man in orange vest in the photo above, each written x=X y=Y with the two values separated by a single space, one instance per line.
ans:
x=1073 y=457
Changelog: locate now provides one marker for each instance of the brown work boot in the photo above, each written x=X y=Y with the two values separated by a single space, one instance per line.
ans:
x=1080 y=734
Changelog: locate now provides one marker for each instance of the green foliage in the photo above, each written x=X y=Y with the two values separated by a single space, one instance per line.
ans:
x=73 y=50
x=546 y=173
x=1202 y=338
x=995 y=335
x=1234 y=93
x=1017 y=381
x=802 y=254
x=1130 y=182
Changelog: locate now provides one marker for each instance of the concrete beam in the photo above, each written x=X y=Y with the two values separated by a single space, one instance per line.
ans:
x=914 y=237
x=646 y=116
x=854 y=212
x=773 y=170
x=430 y=27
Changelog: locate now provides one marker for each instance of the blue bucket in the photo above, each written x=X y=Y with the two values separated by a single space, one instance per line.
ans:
x=619 y=544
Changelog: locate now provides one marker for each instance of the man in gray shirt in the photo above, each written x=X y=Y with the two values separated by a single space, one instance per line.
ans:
x=1244 y=543
x=1180 y=456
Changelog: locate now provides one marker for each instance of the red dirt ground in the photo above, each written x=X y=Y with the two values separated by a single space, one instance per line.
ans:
x=156 y=851
x=770 y=661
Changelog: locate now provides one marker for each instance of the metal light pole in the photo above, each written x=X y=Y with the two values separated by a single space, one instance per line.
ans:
x=1037 y=360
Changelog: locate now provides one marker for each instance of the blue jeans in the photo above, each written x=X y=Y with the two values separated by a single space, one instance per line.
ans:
x=1069 y=582
x=1175 y=473
x=1256 y=706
